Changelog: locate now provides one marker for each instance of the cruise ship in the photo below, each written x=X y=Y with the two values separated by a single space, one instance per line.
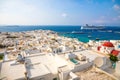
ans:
x=91 y=27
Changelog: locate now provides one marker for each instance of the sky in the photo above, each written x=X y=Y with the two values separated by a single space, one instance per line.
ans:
x=60 y=12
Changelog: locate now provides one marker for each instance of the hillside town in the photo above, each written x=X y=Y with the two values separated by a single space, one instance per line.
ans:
x=45 y=55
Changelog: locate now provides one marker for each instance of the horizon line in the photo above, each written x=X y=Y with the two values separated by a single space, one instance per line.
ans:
x=36 y=24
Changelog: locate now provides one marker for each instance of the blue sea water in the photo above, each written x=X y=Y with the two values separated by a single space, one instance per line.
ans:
x=109 y=33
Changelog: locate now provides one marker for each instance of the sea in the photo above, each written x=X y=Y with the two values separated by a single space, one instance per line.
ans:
x=108 y=33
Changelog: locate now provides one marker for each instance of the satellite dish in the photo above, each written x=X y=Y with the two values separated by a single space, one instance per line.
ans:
x=100 y=61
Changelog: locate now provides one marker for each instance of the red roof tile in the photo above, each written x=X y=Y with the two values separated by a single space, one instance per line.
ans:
x=108 y=44
x=115 y=52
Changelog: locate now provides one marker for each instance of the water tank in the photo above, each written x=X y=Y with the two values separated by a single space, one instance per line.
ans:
x=100 y=61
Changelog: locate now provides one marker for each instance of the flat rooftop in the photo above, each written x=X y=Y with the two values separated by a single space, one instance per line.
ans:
x=37 y=70
x=13 y=71
x=38 y=58
x=89 y=54
x=52 y=63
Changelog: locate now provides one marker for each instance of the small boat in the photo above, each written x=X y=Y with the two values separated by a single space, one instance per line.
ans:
x=89 y=36
x=97 y=38
x=116 y=32
x=101 y=31
x=75 y=32
x=109 y=31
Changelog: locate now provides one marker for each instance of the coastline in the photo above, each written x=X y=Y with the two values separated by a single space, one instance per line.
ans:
x=43 y=50
x=109 y=33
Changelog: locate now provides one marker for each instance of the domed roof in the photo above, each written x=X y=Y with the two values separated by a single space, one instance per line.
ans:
x=115 y=52
x=108 y=44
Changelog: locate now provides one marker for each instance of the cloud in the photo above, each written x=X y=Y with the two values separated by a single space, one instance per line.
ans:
x=119 y=16
x=113 y=0
x=17 y=7
x=100 y=21
x=110 y=21
x=64 y=15
x=89 y=1
x=116 y=7
x=25 y=12
x=102 y=17
x=12 y=19
x=116 y=18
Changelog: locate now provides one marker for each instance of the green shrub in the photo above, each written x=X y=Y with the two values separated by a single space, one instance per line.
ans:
x=1 y=56
x=113 y=58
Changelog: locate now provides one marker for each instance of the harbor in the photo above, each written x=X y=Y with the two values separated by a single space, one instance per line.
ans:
x=59 y=40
